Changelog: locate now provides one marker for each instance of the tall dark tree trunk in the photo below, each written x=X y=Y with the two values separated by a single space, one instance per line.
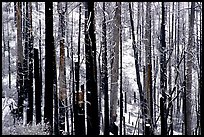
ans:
x=91 y=73
x=148 y=68
x=171 y=29
x=49 y=65
x=67 y=64
x=38 y=91
x=80 y=95
x=30 y=64
x=62 y=72
x=163 y=76
x=56 y=97
x=197 y=100
x=115 y=68
x=155 y=71
x=105 y=73
x=177 y=38
x=189 y=67
x=40 y=62
x=3 y=56
x=25 y=64
x=9 y=55
x=121 y=91
x=19 y=80
x=15 y=13
x=74 y=114
x=125 y=101
x=71 y=79
x=184 y=87
x=201 y=81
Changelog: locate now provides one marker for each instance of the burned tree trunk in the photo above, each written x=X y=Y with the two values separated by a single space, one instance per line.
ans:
x=189 y=67
x=38 y=91
x=30 y=65
x=49 y=65
x=105 y=74
x=115 y=66
x=163 y=76
x=91 y=73
x=62 y=71
x=19 y=80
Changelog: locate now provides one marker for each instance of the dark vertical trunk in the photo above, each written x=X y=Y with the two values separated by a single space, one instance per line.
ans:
x=55 y=93
x=154 y=72
x=67 y=60
x=135 y=97
x=79 y=102
x=91 y=74
x=7 y=47
x=171 y=50
x=15 y=12
x=183 y=98
x=139 y=29
x=80 y=95
x=77 y=125
x=76 y=110
x=3 y=56
x=9 y=63
x=125 y=102
x=38 y=92
x=30 y=64
x=124 y=127
x=198 y=73
x=162 y=112
x=175 y=54
x=99 y=86
x=81 y=112
x=105 y=74
x=184 y=95
x=189 y=68
x=148 y=68
x=201 y=81
x=121 y=89
x=177 y=38
x=163 y=79
x=78 y=53
x=115 y=67
x=145 y=105
x=25 y=62
x=73 y=83
x=71 y=101
x=49 y=65
x=40 y=59
x=129 y=118
x=61 y=7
